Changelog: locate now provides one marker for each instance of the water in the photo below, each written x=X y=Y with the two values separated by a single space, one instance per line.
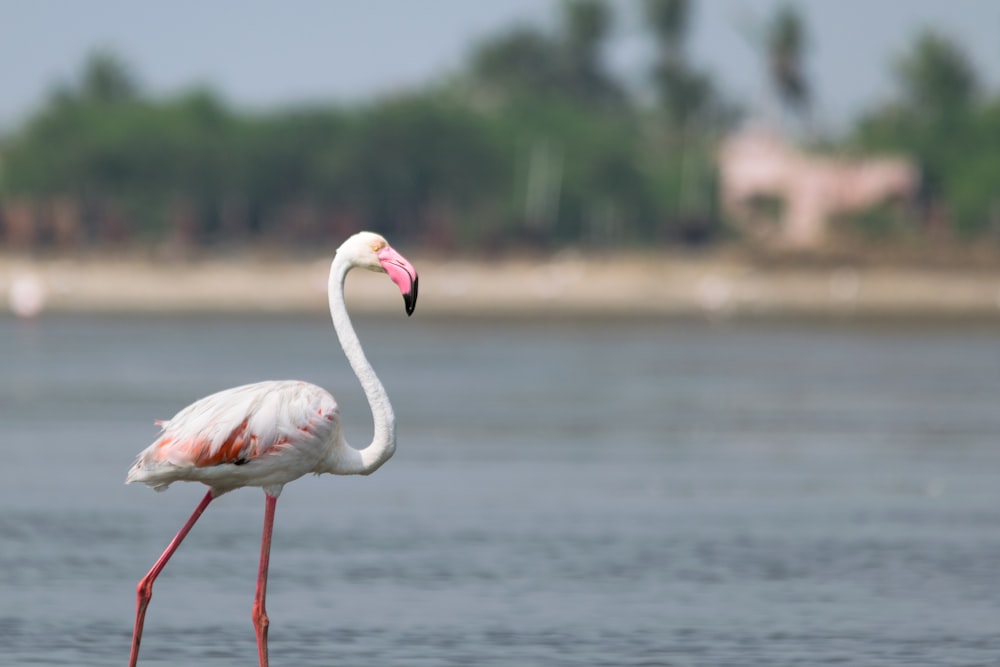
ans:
x=563 y=494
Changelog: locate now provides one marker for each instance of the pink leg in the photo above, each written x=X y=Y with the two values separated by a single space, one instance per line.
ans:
x=260 y=620
x=144 y=591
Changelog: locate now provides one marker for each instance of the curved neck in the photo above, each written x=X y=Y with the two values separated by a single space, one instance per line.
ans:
x=383 y=444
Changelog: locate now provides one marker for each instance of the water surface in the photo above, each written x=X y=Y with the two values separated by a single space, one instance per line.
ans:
x=563 y=494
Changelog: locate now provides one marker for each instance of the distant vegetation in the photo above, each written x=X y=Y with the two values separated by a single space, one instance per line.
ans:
x=535 y=144
x=945 y=118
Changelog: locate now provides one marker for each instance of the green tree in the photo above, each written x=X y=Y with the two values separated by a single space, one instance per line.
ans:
x=786 y=42
x=940 y=119
x=525 y=62
x=669 y=21
x=586 y=26
x=558 y=157
x=683 y=92
x=413 y=163
x=521 y=61
x=107 y=79
x=936 y=77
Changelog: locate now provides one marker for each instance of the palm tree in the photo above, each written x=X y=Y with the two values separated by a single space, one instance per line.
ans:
x=786 y=44
x=587 y=23
x=586 y=26
x=683 y=92
x=668 y=19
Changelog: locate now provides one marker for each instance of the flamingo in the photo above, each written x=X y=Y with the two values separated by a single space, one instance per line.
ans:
x=270 y=433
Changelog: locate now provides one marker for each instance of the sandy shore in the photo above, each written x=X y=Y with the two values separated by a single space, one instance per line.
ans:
x=564 y=285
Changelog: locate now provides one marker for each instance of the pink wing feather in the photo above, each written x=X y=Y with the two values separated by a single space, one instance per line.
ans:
x=237 y=426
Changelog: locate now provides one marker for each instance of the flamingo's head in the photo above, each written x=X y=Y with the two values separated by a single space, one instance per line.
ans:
x=371 y=251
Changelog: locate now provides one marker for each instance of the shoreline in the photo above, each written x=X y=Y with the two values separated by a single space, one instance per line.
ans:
x=563 y=285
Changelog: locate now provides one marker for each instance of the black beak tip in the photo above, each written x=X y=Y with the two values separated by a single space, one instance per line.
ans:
x=410 y=298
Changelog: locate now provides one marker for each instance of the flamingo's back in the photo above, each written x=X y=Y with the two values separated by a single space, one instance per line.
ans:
x=262 y=434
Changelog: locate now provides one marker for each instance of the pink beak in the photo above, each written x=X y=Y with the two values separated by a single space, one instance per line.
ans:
x=402 y=273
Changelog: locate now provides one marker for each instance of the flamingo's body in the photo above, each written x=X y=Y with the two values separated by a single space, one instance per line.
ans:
x=270 y=433
x=263 y=434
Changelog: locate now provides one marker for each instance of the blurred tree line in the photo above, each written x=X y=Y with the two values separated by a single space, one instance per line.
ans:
x=947 y=121
x=535 y=143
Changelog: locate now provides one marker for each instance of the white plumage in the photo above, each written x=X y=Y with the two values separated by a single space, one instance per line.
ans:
x=262 y=434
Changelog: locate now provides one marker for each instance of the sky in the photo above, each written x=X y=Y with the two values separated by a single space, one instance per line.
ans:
x=264 y=54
